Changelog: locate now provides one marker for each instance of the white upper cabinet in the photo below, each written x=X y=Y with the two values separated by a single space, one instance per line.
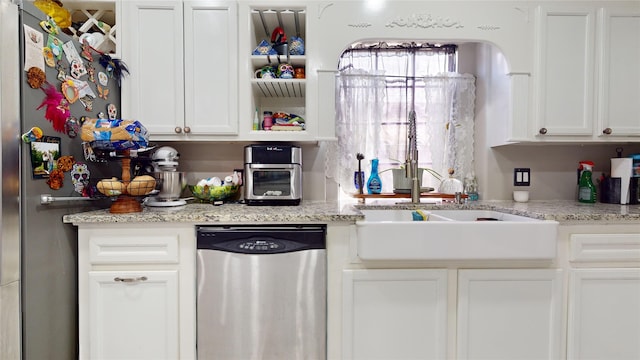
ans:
x=183 y=62
x=565 y=71
x=586 y=83
x=211 y=67
x=619 y=74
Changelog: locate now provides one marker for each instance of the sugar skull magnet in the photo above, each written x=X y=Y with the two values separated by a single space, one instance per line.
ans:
x=79 y=177
x=285 y=71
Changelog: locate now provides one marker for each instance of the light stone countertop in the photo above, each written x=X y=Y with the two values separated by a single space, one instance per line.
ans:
x=563 y=211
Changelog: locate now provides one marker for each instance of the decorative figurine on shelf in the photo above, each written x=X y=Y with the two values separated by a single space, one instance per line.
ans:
x=285 y=71
x=296 y=46
x=264 y=48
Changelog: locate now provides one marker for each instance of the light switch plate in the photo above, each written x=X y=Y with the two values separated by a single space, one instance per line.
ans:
x=521 y=177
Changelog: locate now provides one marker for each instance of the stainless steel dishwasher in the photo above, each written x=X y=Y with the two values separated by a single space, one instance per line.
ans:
x=261 y=292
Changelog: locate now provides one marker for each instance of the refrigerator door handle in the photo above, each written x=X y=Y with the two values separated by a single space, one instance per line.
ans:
x=46 y=199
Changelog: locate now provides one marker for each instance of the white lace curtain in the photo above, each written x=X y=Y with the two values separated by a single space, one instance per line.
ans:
x=372 y=112
x=449 y=114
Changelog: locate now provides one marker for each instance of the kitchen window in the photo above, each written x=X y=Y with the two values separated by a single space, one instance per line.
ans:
x=377 y=86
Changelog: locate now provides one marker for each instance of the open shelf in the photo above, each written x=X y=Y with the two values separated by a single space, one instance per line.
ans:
x=277 y=95
x=279 y=88
x=258 y=61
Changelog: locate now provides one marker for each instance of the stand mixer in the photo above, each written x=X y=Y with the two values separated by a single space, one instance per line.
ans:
x=170 y=181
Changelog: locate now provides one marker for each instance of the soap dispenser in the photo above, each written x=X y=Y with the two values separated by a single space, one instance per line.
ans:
x=374 y=184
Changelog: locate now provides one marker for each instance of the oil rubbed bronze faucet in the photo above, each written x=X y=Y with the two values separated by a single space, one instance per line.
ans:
x=411 y=158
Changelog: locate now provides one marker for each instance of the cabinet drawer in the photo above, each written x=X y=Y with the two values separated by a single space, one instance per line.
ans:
x=157 y=249
x=604 y=247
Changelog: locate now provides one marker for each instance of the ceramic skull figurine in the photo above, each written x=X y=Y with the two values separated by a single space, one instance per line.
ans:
x=285 y=71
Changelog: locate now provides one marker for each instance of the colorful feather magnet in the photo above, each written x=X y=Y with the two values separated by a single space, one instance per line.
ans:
x=115 y=67
x=57 y=111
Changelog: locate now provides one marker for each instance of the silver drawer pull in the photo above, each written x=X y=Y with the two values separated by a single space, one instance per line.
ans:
x=129 y=280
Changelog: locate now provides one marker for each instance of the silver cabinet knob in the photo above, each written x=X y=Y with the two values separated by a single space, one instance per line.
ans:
x=187 y=129
x=178 y=129
x=607 y=131
x=542 y=131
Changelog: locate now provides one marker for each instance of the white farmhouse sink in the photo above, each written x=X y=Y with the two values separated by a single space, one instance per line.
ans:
x=454 y=235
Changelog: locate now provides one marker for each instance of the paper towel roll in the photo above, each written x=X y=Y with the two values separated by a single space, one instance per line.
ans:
x=622 y=168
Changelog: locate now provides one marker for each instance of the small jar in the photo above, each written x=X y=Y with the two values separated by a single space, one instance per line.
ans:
x=267 y=120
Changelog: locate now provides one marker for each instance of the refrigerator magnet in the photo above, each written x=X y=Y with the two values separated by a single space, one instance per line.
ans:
x=77 y=69
x=55 y=45
x=35 y=133
x=36 y=77
x=69 y=91
x=44 y=153
x=49 y=59
x=92 y=72
x=62 y=74
x=86 y=50
x=80 y=177
x=56 y=179
x=87 y=101
x=103 y=92
x=112 y=111
x=49 y=26
x=72 y=127
x=103 y=79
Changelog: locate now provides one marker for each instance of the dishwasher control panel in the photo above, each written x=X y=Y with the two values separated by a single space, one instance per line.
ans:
x=274 y=239
x=260 y=245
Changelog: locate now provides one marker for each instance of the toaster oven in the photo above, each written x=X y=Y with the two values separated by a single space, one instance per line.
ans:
x=273 y=174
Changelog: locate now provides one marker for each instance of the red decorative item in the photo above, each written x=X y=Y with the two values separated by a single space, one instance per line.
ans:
x=57 y=111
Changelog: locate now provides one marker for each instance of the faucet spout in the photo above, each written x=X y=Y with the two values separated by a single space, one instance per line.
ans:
x=411 y=161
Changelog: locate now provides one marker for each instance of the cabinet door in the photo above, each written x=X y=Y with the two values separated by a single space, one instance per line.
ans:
x=133 y=315
x=619 y=88
x=394 y=314
x=211 y=67
x=152 y=48
x=509 y=314
x=565 y=71
x=604 y=314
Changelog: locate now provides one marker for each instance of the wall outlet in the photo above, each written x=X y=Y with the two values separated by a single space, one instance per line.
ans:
x=521 y=177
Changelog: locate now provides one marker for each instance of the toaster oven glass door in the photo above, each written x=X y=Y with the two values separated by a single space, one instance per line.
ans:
x=272 y=182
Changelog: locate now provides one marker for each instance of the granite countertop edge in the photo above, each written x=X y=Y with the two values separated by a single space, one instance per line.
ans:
x=563 y=211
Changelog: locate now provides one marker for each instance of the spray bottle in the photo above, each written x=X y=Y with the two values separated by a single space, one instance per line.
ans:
x=586 y=189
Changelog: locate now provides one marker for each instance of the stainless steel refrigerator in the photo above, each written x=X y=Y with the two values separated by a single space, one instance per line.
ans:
x=38 y=253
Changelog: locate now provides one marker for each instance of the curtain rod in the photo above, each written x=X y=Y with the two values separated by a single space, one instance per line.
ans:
x=382 y=45
x=456 y=76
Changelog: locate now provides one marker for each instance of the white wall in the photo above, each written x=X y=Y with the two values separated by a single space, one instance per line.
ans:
x=553 y=167
x=202 y=160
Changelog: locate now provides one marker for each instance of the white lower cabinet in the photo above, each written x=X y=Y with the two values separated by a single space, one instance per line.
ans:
x=136 y=288
x=509 y=314
x=408 y=314
x=604 y=314
x=604 y=293
x=394 y=314
x=128 y=309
